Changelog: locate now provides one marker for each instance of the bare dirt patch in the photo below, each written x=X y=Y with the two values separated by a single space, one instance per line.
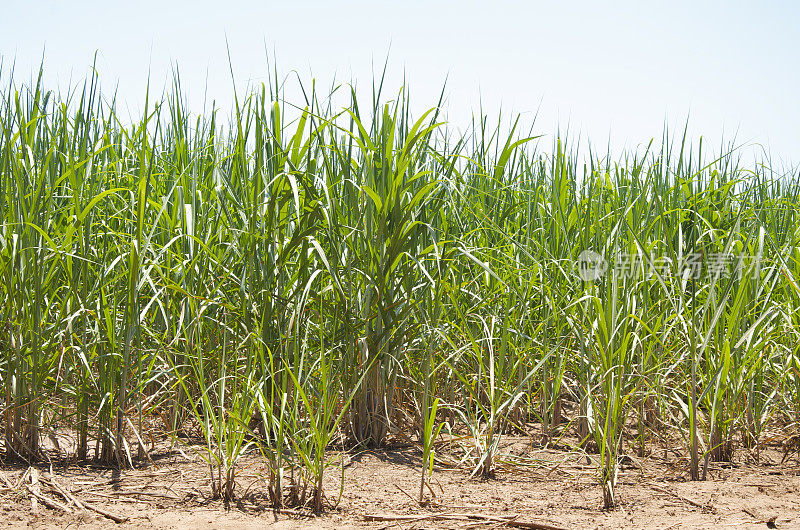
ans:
x=535 y=486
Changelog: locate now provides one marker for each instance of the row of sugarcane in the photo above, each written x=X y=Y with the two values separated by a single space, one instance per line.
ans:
x=303 y=275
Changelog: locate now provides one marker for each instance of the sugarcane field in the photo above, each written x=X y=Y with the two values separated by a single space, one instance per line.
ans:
x=336 y=302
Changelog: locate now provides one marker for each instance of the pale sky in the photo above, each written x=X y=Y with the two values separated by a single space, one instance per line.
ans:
x=614 y=72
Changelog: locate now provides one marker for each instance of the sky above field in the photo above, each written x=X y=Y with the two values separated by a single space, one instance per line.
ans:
x=615 y=73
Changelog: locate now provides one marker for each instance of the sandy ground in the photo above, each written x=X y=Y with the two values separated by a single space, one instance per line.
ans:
x=535 y=485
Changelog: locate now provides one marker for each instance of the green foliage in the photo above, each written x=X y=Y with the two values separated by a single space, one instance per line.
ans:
x=288 y=279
